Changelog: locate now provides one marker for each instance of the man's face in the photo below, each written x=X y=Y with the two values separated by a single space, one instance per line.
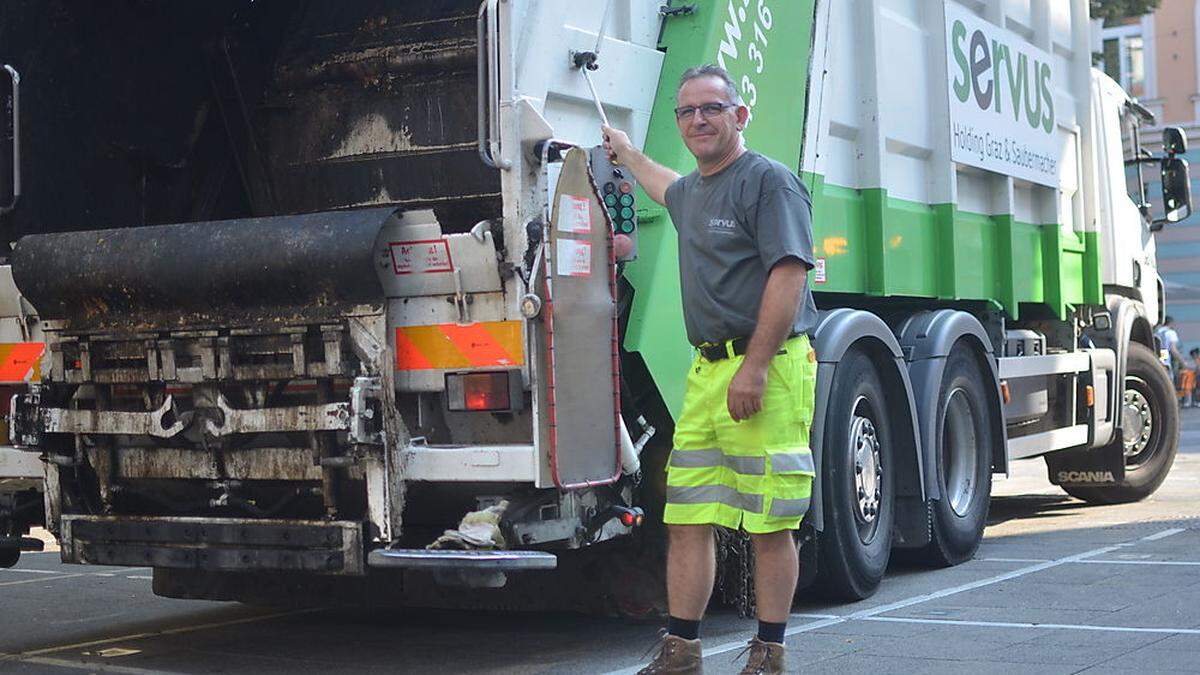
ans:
x=710 y=138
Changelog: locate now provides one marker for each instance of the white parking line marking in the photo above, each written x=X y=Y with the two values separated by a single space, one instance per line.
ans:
x=93 y=667
x=24 y=656
x=1164 y=534
x=1014 y=560
x=34 y=581
x=1181 y=563
x=1018 y=624
x=62 y=576
x=139 y=576
x=935 y=595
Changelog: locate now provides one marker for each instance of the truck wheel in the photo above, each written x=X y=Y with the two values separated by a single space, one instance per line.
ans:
x=964 y=463
x=1149 y=432
x=9 y=557
x=856 y=475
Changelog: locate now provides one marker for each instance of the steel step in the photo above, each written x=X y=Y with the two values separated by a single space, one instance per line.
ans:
x=476 y=560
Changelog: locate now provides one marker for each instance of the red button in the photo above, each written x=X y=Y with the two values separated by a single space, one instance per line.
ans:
x=626 y=187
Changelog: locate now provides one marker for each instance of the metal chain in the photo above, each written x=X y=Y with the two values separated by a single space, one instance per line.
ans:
x=735 y=570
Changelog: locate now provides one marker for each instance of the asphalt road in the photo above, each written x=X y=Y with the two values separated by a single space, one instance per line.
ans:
x=1057 y=587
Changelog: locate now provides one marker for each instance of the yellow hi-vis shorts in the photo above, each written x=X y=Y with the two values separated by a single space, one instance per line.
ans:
x=756 y=474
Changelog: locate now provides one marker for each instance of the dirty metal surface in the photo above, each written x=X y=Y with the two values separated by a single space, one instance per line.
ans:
x=170 y=276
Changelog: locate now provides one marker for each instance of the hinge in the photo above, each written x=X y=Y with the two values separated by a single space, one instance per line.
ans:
x=682 y=10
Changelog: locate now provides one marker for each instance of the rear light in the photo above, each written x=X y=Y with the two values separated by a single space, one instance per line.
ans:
x=475 y=392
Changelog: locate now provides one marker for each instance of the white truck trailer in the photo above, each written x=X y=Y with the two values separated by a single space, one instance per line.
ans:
x=356 y=280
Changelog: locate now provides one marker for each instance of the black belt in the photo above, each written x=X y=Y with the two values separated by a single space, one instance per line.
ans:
x=715 y=351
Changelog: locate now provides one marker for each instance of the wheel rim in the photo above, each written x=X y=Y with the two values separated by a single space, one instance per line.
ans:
x=1137 y=421
x=960 y=452
x=868 y=470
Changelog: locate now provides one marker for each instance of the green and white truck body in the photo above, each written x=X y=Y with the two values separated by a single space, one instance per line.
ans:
x=987 y=287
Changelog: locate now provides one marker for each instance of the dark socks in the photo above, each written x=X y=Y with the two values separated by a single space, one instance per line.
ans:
x=771 y=632
x=688 y=630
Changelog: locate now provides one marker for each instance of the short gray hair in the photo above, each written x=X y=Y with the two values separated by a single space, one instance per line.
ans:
x=711 y=70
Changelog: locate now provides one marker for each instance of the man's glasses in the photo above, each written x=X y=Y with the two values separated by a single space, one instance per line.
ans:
x=707 y=111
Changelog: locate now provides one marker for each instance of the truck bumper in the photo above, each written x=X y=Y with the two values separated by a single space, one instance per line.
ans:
x=214 y=543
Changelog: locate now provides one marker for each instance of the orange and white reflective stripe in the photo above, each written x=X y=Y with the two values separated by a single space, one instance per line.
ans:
x=451 y=345
x=21 y=361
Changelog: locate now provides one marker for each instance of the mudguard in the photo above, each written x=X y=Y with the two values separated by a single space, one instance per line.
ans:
x=927 y=338
x=1129 y=323
x=836 y=332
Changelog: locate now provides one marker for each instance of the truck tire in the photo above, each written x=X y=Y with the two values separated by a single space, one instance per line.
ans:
x=9 y=557
x=964 y=452
x=1150 y=432
x=856 y=475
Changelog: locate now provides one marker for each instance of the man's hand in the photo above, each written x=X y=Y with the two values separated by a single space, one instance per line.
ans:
x=654 y=178
x=618 y=145
x=746 y=392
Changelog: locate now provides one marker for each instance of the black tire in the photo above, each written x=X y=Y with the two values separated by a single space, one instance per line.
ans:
x=1147 y=466
x=9 y=557
x=854 y=548
x=964 y=452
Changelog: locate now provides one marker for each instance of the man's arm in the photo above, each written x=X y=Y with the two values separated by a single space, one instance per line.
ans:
x=780 y=302
x=655 y=178
x=1176 y=353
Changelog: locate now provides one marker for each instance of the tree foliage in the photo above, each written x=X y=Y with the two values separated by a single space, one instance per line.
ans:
x=1113 y=11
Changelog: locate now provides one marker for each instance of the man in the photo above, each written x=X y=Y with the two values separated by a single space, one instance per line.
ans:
x=1168 y=340
x=741 y=457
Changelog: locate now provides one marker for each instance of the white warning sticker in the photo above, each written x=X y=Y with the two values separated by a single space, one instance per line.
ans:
x=573 y=258
x=421 y=257
x=819 y=272
x=574 y=214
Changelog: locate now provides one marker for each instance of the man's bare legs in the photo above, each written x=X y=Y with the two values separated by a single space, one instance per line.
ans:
x=691 y=567
x=776 y=568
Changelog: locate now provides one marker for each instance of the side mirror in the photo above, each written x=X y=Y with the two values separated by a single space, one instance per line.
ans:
x=1174 y=142
x=1177 y=190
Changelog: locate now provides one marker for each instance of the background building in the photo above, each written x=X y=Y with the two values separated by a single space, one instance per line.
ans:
x=1155 y=58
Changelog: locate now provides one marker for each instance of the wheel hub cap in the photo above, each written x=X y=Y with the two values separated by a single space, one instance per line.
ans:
x=960 y=452
x=1137 y=422
x=868 y=473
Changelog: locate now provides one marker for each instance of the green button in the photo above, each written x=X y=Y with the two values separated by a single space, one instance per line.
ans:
x=627 y=213
x=626 y=200
x=611 y=200
x=613 y=213
x=626 y=227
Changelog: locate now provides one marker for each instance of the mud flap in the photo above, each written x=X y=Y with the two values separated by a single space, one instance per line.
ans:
x=579 y=325
x=1091 y=467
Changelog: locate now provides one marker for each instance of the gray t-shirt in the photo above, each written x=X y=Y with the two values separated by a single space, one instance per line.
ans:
x=734 y=226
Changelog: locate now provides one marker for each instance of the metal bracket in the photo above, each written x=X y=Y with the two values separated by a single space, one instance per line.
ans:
x=26 y=411
x=683 y=10
x=325 y=417
x=363 y=426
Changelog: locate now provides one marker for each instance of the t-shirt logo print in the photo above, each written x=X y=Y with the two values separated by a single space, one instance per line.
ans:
x=722 y=225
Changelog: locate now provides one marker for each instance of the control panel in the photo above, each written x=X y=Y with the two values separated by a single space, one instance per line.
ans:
x=617 y=190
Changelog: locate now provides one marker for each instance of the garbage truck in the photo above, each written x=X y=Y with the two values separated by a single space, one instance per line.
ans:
x=344 y=300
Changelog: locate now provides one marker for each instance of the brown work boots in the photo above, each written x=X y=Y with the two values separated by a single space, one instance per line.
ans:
x=766 y=658
x=677 y=656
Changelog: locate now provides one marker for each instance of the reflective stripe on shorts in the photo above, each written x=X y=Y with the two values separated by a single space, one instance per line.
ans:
x=788 y=508
x=713 y=457
x=715 y=494
x=792 y=462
